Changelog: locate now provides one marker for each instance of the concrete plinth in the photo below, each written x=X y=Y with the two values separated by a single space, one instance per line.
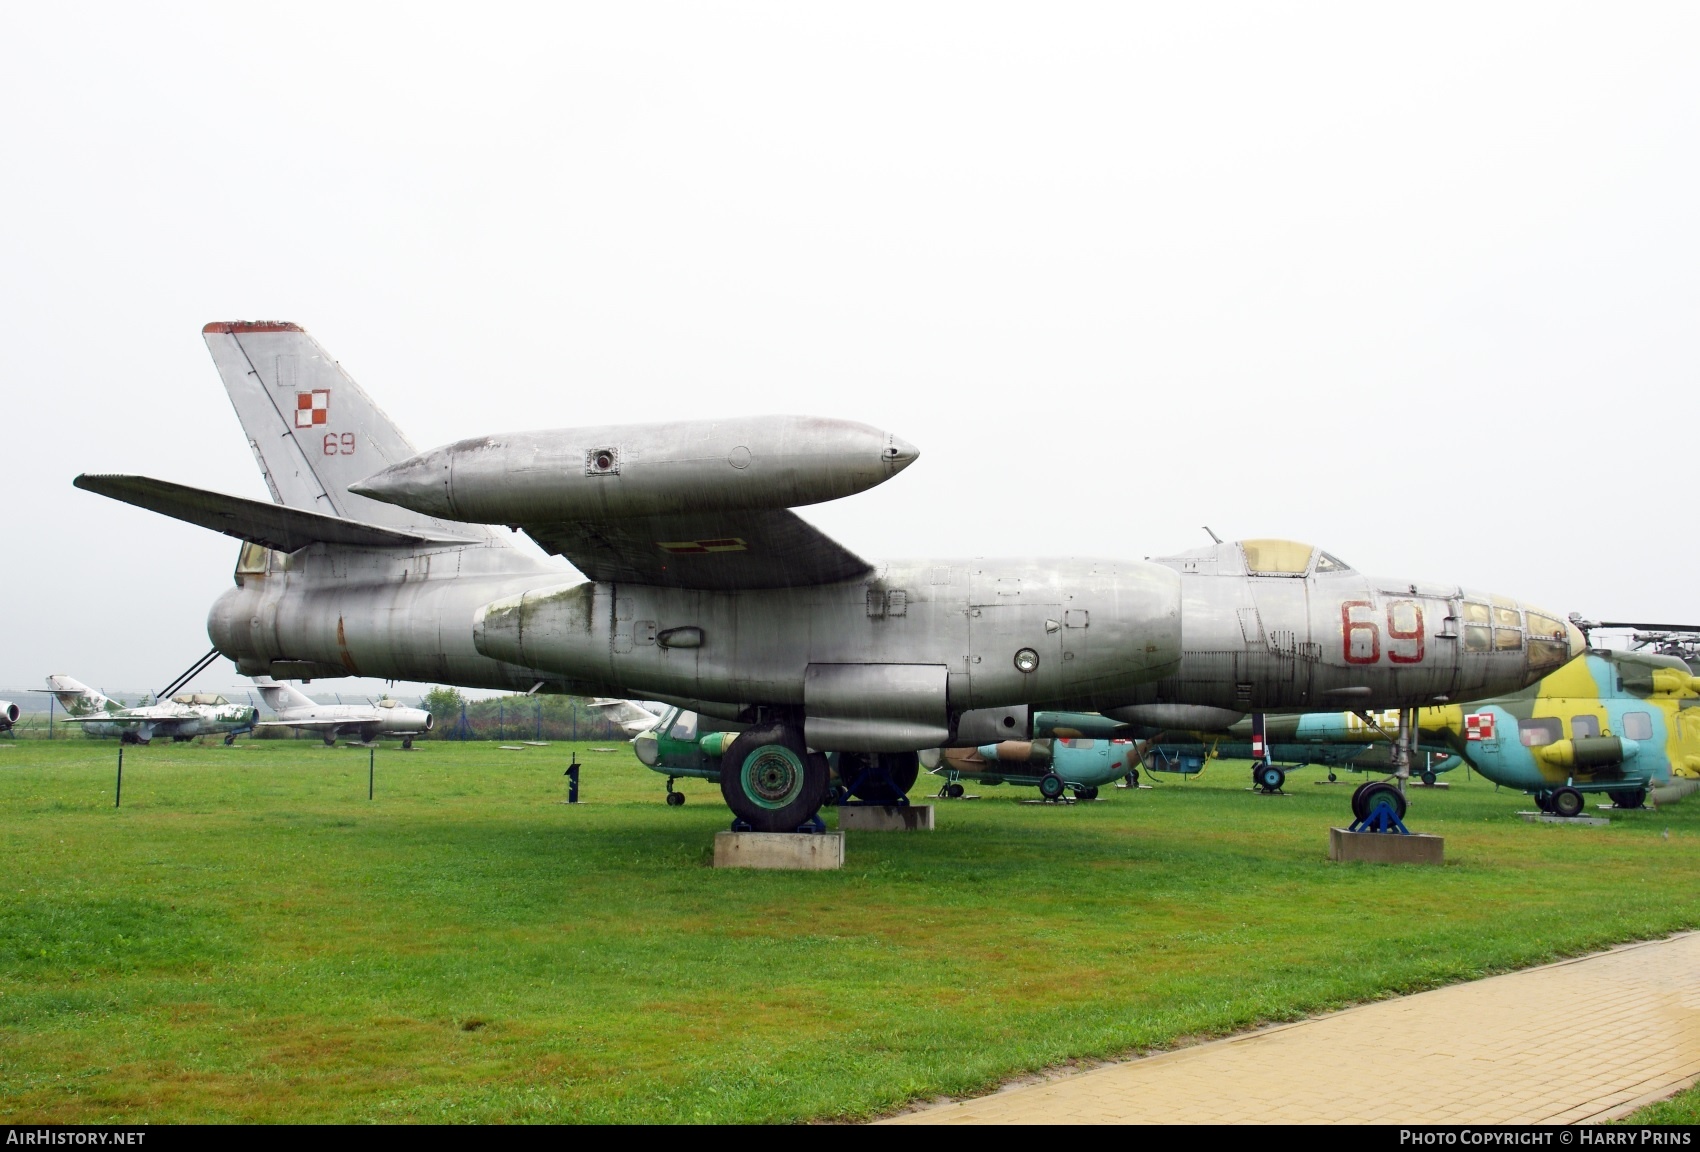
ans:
x=795 y=851
x=1385 y=847
x=1569 y=821
x=886 y=818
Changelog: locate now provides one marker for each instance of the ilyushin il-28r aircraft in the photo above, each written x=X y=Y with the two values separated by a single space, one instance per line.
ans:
x=704 y=590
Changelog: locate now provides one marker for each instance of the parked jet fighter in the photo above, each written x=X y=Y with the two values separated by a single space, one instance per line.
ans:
x=183 y=717
x=706 y=591
x=9 y=713
x=362 y=722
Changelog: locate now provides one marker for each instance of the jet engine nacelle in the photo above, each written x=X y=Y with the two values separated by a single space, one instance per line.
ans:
x=1177 y=717
x=643 y=470
x=9 y=713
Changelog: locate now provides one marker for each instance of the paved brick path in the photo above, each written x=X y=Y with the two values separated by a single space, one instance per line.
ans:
x=1588 y=1039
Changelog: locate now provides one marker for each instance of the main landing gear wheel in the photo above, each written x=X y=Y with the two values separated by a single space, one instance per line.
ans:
x=1428 y=778
x=1051 y=786
x=230 y=739
x=1567 y=802
x=1268 y=777
x=879 y=777
x=1628 y=797
x=954 y=791
x=674 y=799
x=1543 y=801
x=407 y=743
x=1331 y=776
x=1365 y=799
x=770 y=779
x=330 y=741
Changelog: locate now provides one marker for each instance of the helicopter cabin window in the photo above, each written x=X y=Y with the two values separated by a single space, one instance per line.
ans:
x=1327 y=563
x=1504 y=617
x=1582 y=727
x=1507 y=639
x=684 y=728
x=1276 y=557
x=1547 y=653
x=1540 y=733
x=1638 y=725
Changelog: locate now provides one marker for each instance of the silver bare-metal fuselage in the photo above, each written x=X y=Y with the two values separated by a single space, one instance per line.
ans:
x=491 y=617
x=899 y=655
x=1281 y=643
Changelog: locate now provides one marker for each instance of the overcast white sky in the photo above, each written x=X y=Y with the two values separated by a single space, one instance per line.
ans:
x=1418 y=284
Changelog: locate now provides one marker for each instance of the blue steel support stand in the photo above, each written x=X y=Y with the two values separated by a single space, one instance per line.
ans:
x=1382 y=818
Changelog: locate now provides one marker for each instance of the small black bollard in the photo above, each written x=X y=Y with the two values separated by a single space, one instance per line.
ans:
x=572 y=780
x=118 y=800
x=371 y=770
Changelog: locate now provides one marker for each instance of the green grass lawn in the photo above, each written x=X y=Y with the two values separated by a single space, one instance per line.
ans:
x=249 y=938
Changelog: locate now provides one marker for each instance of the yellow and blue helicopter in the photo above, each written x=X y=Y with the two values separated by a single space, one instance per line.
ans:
x=1621 y=722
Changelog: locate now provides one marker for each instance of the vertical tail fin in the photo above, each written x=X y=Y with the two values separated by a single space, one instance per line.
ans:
x=279 y=697
x=77 y=698
x=313 y=430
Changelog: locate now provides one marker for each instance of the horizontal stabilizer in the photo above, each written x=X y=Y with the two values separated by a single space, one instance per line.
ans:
x=271 y=525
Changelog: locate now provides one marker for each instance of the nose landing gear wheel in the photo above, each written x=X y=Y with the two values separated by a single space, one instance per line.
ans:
x=954 y=791
x=1628 y=797
x=1268 y=778
x=1567 y=802
x=1051 y=786
x=674 y=799
x=1087 y=793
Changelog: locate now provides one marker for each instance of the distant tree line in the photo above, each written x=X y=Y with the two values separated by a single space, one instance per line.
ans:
x=517 y=717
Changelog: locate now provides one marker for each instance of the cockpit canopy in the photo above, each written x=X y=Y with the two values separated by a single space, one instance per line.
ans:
x=1288 y=558
x=208 y=698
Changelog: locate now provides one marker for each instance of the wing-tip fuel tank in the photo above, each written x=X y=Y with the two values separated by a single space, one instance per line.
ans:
x=643 y=470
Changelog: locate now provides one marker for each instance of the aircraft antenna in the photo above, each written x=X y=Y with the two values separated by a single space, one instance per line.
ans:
x=1213 y=535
